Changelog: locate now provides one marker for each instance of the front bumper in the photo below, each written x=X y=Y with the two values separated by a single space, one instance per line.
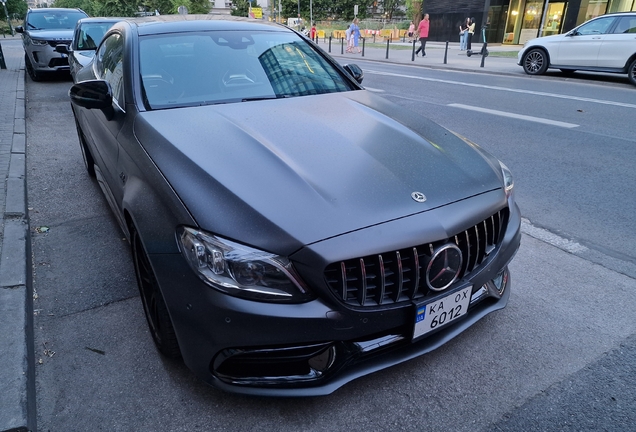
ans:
x=312 y=348
x=46 y=59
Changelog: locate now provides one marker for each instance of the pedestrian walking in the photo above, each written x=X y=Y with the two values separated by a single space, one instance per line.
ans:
x=471 y=32
x=422 y=32
x=463 y=34
x=313 y=32
x=355 y=34
x=411 y=31
x=349 y=39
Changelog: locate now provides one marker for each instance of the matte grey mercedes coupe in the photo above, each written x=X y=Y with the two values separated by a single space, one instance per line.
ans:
x=290 y=230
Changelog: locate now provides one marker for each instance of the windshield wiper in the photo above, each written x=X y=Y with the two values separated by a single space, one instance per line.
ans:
x=264 y=98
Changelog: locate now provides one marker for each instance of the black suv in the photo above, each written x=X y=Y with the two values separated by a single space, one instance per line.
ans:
x=43 y=30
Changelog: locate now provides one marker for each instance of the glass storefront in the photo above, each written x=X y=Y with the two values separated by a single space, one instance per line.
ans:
x=554 y=19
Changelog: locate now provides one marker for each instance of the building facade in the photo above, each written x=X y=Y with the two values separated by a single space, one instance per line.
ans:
x=515 y=21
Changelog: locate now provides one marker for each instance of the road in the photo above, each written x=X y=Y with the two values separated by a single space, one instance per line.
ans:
x=561 y=356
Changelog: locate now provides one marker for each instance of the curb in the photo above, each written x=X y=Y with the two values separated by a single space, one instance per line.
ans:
x=17 y=397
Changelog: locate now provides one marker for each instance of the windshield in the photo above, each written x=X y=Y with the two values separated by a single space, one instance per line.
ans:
x=54 y=20
x=232 y=66
x=90 y=35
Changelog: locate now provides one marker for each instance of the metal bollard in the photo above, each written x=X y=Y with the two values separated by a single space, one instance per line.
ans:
x=363 y=39
x=446 y=53
x=3 y=65
x=413 y=51
x=341 y=45
x=329 y=43
x=387 y=47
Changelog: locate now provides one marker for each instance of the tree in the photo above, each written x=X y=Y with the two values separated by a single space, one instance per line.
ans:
x=18 y=7
x=323 y=9
x=414 y=10
x=241 y=7
x=91 y=7
x=117 y=8
x=391 y=6
x=164 y=7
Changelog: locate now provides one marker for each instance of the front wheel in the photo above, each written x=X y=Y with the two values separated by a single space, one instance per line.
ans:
x=155 y=308
x=35 y=76
x=535 y=62
x=631 y=72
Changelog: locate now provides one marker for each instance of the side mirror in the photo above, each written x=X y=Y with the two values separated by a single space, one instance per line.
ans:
x=355 y=71
x=63 y=49
x=19 y=29
x=93 y=94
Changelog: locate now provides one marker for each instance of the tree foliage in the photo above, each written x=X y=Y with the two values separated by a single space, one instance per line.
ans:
x=390 y=7
x=164 y=7
x=17 y=8
x=325 y=9
x=241 y=7
x=414 y=10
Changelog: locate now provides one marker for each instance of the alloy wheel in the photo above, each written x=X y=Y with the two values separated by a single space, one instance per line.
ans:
x=535 y=62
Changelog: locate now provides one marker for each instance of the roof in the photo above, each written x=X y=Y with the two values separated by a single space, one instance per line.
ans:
x=53 y=10
x=101 y=19
x=184 y=23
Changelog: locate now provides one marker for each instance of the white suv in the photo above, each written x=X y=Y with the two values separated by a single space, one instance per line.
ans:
x=603 y=44
x=43 y=30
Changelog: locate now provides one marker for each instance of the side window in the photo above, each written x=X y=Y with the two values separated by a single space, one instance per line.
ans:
x=598 y=26
x=109 y=65
x=626 y=25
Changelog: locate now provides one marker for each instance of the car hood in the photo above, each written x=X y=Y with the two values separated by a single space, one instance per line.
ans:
x=284 y=173
x=61 y=35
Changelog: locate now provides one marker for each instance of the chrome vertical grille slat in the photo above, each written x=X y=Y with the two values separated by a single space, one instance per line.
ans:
x=397 y=276
x=400 y=275
x=382 y=279
x=416 y=260
x=362 y=293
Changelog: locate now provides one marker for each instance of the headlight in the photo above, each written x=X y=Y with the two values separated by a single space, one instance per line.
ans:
x=240 y=270
x=38 y=42
x=509 y=182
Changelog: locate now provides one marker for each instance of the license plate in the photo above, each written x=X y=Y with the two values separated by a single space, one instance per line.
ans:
x=439 y=313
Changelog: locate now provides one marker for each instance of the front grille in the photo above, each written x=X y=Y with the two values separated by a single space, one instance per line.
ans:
x=398 y=276
x=59 y=42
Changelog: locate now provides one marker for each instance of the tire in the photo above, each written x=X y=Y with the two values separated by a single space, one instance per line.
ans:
x=89 y=162
x=535 y=62
x=631 y=72
x=35 y=76
x=157 y=316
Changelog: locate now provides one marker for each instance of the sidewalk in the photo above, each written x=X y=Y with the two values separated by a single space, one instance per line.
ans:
x=16 y=317
x=401 y=53
x=17 y=374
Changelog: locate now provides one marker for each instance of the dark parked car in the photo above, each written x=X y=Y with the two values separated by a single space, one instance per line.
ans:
x=290 y=231
x=44 y=30
x=87 y=35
